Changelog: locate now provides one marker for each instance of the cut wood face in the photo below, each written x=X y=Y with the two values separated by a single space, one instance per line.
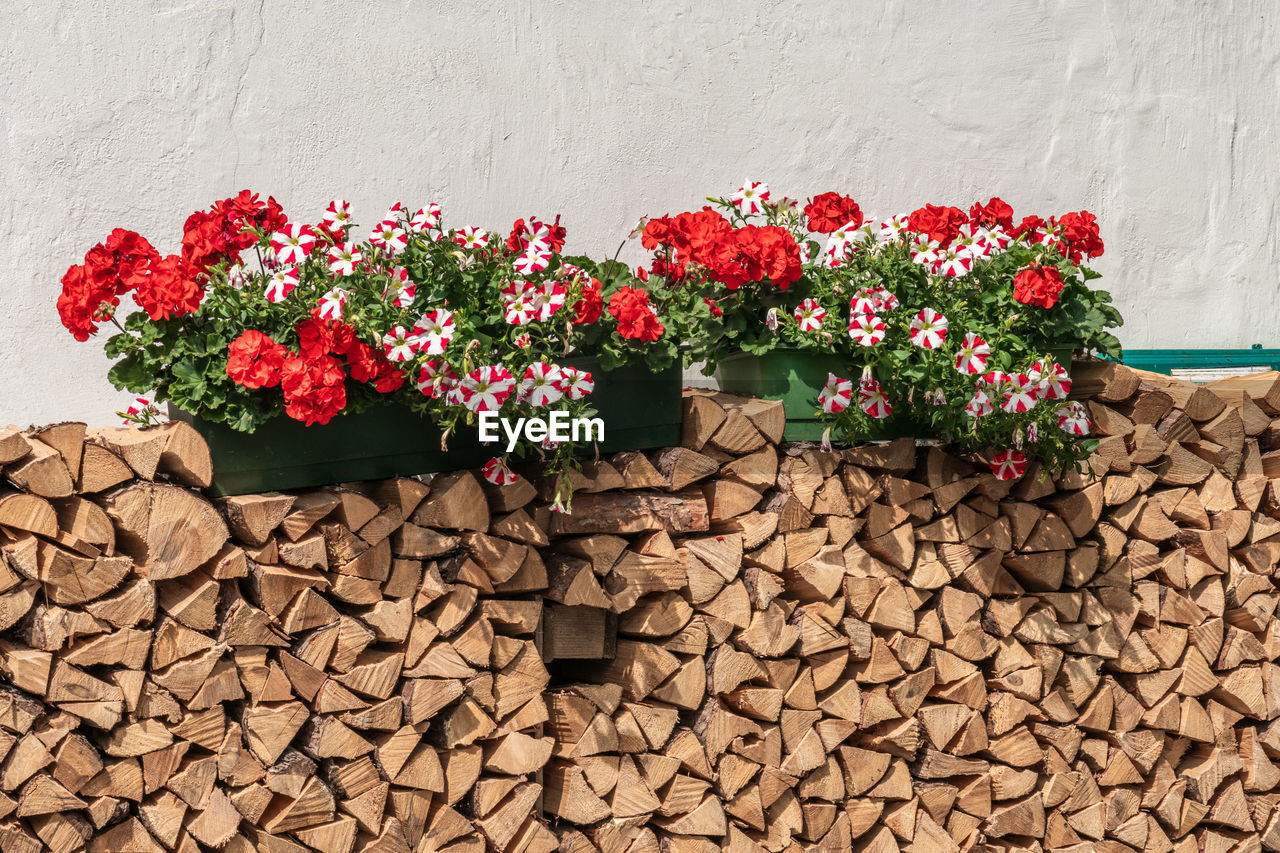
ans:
x=729 y=644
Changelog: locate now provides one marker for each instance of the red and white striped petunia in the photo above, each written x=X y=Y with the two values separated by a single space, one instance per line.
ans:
x=400 y=291
x=771 y=320
x=924 y=251
x=426 y=219
x=337 y=216
x=436 y=378
x=237 y=275
x=973 y=355
x=434 y=330
x=1073 y=419
x=281 y=284
x=142 y=409
x=809 y=314
x=995 y=380
x=573 y=272
x=393 y=212
x=548 y=298
x=866 y=329
x=928 y=329
x=485 y=389
x=520 y=311
x=994 y=239
x=523 y=340
x=576 y=383
x=1019 y=394
x=953 y=263
x=293 y=243
x=497 y=472
x=532 y=261
x=343 y=258
x=399 y=344
x=873 y=400
x=979 y=405
x=750 y=199
x=891 y=230
x=1052 y=380
x=1033 y=433
x=389 y=237
x=541 y=385
x=837 y=250
x=1008 y=465
x=332 y=303
x=471 y=237
x=537 y=241
x=836 y=395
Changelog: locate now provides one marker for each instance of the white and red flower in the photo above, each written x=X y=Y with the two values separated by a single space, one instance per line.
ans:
x=892 y=229
x=993 y=380
x=548 y=298
x=1051 y=379
x=953 y=263
x=281 y=284
x=343 y=258
x=400 y=291
x=293 y=243
x=809 y=314
x=141 y=409
x=532 y=261
x=771 y=321
x=751 y=198
x=1008 y=465
x=523 y=340
x=497 y=472
x=436 y=377
x=426 y=219
x=237 y=275
x=389 y=237
x=332 y=303
x=1073 y=419
x=928 y=329
x=866 y=329
x=873 y=400
x=541 y=386
x=434 y=330
x=520 y=310
x=576 y=383
x=393 y=212
x=979 y=405
x=973 y=355
x=485 y=389
x=1019 y=394
x=337 y=216
x=471 y=237
x=836 y=395
x=872 y=300
x=399 y=344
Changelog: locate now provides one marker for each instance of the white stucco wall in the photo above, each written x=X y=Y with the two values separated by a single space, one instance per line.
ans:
x=1161 y=118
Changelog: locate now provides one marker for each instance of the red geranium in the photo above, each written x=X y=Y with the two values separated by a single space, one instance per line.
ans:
x=1038 y=285
x=1029 y=225
x=588 y=309
x=756 y=252
x=636 y=317
x=941 y=224
x=829 y=211
x=170 y=290
x=209 y=236
x=995 y=212
x=317 y=337
x=1080 y=231
x=85 y=301
x=255 y=360
x=314 y=389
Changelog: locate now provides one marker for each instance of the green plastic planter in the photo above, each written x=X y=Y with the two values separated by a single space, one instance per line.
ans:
x=640 y=410
x=796 y=376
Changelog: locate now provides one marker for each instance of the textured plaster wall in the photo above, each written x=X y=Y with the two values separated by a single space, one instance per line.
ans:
x=1160 y=117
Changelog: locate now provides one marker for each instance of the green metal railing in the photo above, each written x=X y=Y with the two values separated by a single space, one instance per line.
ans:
x=1167 y=360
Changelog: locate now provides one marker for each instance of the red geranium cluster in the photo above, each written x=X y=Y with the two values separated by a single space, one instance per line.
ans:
x=1038 y=285
x=590 y=306
x=1080 y=233
x=313 y=380
x=941 y=224
x=830 y=211
x=125 y=261
x=732 y=256
x=636 y=318
x=210 y=236
x=996 y=213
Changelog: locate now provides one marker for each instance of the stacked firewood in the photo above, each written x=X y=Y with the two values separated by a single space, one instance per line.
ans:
x=732 y=644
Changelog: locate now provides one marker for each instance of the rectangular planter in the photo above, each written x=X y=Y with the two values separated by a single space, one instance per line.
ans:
x=796 y=376
x=640 y=410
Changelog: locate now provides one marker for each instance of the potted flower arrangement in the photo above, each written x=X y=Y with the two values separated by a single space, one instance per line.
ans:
x=306 y=355
x=938 y=323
